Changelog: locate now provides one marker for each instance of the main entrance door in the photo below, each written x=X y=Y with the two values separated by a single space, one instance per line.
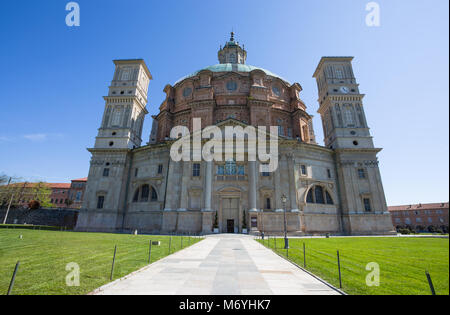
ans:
x=230 y=226
x=230 y=215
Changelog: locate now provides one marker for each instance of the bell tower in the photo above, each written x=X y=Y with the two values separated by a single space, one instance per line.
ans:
x=363 y=208
x=125 y=110
x=341 y=107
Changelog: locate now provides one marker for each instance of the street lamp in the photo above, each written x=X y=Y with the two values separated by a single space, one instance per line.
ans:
x=286 y=240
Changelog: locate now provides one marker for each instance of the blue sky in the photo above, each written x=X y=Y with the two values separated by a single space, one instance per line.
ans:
x=53 y=77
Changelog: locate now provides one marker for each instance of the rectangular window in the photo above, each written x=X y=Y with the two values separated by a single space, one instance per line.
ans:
x=361 y=173
x=136 y=172
x=106 y=172
x=160 y=169
x=290 y=132
x=329 y=173
x=303 y=170
x=221 y=170
x=367 y=205
x=281 y=130
x=268 y=205
x=100 y=202
x=196 y=170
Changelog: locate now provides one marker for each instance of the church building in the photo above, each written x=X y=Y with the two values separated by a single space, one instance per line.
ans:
x=332 y=188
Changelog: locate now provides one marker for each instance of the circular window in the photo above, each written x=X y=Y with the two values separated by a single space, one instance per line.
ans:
x=111 y=143
x=353 y=133
x=114 y=133
x=355 y=143
x=231 y=86
x=276 y=91
x=187 y=91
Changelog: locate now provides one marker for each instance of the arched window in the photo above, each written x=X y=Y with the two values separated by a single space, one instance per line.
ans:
x=318 y=191
x=136 y=196
x=319 y=195
x=154 y=195
x=145 y=193
x=329 y=199
x=309 y=197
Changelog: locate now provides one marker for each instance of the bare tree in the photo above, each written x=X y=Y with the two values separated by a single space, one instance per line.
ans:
x=4 y=179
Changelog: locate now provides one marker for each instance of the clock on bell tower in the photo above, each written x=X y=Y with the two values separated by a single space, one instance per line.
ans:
x=341 y=105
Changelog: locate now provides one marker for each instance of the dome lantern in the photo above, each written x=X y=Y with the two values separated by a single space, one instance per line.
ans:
x=232 y=52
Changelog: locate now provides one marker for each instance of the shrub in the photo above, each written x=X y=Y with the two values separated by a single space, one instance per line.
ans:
x=404 y=231
x=216 y=221
x=34 y=205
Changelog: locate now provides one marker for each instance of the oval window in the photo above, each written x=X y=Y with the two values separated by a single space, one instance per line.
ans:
x=276 y=91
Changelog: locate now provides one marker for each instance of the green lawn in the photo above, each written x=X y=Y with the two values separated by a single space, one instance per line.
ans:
x=402 y=261
x=43 y=257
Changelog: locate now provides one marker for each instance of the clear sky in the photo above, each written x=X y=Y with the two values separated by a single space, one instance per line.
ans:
x=53 y=77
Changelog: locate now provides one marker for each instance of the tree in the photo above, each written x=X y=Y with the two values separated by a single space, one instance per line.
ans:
x=41 y=192
x=19 y=194
x=34 y=205
x=216 y=221
x=3 y=179
x=244 y=221
x=11 y=193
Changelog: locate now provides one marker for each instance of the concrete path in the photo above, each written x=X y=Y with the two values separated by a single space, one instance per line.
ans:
x=220 y=265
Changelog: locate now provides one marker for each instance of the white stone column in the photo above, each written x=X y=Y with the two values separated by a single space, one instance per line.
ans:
x=208 y=186
x=252 y=187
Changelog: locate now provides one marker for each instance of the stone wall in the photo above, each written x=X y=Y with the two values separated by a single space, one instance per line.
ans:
x=46 y=217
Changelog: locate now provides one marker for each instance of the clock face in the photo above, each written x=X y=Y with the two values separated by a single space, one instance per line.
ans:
x=345 y=89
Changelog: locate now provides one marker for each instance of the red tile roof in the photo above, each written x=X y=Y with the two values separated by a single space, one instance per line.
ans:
x=80 y=180
x=50 y=185
x=59 y=185
x=427 y=206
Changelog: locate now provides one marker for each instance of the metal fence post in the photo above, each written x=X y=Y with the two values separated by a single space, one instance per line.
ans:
x=339 y=267
x=430 y=282
x=304 y=255
x=113 y=262
x=11 y=284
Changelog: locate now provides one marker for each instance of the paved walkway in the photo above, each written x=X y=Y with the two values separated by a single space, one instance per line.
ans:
x=220 y=265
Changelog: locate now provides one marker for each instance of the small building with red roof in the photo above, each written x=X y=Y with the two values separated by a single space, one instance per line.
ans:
x=421 y=216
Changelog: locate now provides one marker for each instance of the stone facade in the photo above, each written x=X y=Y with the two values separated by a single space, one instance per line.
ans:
x=334 y=188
